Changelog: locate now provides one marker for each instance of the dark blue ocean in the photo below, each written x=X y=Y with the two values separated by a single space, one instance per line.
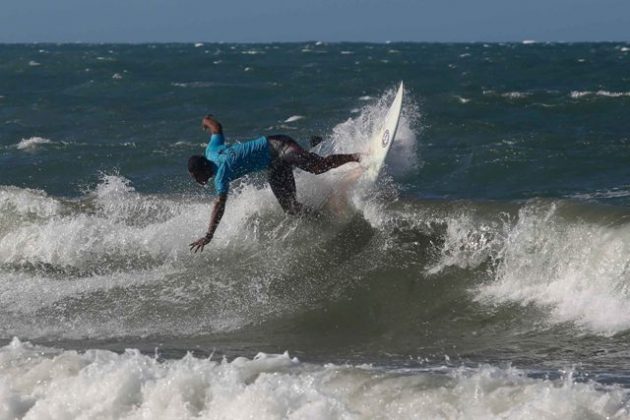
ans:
x=485 y=275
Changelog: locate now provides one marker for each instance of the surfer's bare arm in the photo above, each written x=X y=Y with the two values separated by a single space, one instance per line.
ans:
x=217 y=213
x=210 y=123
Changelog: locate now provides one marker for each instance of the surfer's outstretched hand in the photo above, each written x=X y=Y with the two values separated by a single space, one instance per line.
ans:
x=199 y=244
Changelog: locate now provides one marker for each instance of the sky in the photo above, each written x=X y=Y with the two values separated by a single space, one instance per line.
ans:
x=313 y=20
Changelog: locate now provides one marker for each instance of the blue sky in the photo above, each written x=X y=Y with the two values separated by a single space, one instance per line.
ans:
x=302 y=20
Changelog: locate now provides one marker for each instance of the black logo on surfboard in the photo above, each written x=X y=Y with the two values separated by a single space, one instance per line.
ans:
x=385 y=139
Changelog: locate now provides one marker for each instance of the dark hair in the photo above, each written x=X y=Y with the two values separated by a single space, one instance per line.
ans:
x=198 y=163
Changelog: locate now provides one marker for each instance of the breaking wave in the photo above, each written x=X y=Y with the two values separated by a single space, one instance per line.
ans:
x=41 y=382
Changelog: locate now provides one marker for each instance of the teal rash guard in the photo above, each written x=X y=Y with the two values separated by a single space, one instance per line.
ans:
x=233 y=161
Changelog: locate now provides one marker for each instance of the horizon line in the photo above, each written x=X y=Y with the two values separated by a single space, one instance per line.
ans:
x=387 y=42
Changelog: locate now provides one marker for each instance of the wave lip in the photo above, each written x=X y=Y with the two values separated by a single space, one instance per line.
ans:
x=41 y=382
x=574 y=271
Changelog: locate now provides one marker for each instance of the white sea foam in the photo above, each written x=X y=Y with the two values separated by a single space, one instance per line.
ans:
x=119 y=239
x=508 y=95
x=33 y=63
x=580 y=94
x=27 y=203
x=577 y=271
x=123 y=223
x=515 y=95
x=294 y=118
x=187 y=144
x=43 y=383
x=617 y=192
x=32 y=143
x=194 y=85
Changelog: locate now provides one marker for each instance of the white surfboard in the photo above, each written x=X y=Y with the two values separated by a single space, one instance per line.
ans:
x=370 y=167
x=382 y=140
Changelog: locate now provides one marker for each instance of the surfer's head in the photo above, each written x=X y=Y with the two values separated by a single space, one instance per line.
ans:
x=200 y=169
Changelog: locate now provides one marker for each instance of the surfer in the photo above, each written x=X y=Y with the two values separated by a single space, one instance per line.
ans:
x=278 y=154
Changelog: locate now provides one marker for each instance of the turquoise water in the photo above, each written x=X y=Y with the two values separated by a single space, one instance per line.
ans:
x=491 y=262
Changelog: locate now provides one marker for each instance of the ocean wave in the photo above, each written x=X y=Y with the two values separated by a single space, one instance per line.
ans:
x=115 y=250
x=57 y=255
x=198 y=84
x=41 y=382
x=516 y=95
x=606 y=194
x=114 y=234
x=294 y=118
x=113 y=220
x=252 y=52
x=127 y=251
x=32 y=143
x=603 y=93
x=508 y=95
x=575 y=270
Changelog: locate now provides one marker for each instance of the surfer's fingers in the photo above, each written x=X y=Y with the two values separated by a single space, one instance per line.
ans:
x=195 y=246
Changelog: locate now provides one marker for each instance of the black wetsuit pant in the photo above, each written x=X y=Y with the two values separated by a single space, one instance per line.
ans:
x=287 y=154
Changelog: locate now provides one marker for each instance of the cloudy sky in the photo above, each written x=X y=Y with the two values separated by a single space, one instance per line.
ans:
x=303 y=20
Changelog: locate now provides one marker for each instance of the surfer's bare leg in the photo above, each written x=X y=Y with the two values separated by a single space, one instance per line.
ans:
x=316 y=164
x=292 y=153
x=282 y=184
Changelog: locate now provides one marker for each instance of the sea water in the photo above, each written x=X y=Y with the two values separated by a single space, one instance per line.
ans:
x=485 y=275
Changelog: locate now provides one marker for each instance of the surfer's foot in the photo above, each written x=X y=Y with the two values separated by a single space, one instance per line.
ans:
x=360 y=158
x=315 y=140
